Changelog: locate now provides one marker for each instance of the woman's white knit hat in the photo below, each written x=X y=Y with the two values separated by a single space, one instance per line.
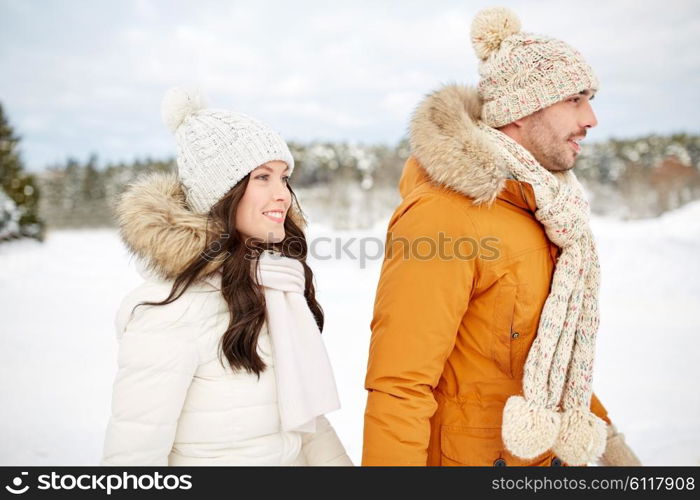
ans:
x=216 y=148
x=522 y=73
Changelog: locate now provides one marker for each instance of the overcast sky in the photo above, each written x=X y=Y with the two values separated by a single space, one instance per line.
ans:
x=87 y=76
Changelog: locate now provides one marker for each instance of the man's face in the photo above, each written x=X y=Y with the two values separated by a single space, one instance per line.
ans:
x=552 y=134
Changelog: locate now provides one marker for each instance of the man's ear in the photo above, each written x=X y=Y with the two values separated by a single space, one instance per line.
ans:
x=519 y=122
x=512 y=127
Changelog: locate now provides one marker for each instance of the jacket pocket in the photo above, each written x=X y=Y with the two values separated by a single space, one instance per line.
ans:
x=511 y=336
x=481 y=447
x=503 y=318
x=471 y=446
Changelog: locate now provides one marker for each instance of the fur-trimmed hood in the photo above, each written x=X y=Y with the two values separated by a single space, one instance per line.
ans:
x=455 y=153
x=158 y=227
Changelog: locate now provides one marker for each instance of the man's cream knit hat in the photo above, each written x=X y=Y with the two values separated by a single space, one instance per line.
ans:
x=216 y=148
x=523 y=72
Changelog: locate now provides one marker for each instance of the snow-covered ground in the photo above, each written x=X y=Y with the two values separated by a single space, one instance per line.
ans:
x=58 y=351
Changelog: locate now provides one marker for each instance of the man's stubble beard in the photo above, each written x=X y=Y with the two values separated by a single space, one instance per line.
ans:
x=551 y=151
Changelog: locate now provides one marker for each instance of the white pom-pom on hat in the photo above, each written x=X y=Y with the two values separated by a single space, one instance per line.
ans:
x=490 y=27
x=179 y=103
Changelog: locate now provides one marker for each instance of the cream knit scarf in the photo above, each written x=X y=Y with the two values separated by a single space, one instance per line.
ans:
x=557 y=383
x=305 y=384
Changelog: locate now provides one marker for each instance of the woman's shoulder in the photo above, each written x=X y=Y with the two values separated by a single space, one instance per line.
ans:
x=199 y=305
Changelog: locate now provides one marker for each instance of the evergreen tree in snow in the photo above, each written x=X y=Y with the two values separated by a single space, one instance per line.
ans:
x=20 y=194
x=9 y=217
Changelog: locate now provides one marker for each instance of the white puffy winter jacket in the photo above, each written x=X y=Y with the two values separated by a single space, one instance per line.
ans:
x=174 y=403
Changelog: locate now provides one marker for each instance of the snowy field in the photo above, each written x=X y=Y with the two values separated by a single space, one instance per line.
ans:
x=58 y=350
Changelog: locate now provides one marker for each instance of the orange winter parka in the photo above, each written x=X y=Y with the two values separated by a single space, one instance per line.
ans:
x=466 y=273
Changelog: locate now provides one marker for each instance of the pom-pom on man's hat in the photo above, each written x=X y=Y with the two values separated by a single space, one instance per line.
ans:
x=216 y=148
x=521 y=72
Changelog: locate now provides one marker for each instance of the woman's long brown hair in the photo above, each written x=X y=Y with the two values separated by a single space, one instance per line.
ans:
x=239 y=262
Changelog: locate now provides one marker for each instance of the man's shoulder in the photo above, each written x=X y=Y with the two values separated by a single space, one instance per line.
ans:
x=432 y=197
x=431 y=208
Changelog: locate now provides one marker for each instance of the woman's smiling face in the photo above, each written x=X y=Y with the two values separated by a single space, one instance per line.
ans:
x=265 y=203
